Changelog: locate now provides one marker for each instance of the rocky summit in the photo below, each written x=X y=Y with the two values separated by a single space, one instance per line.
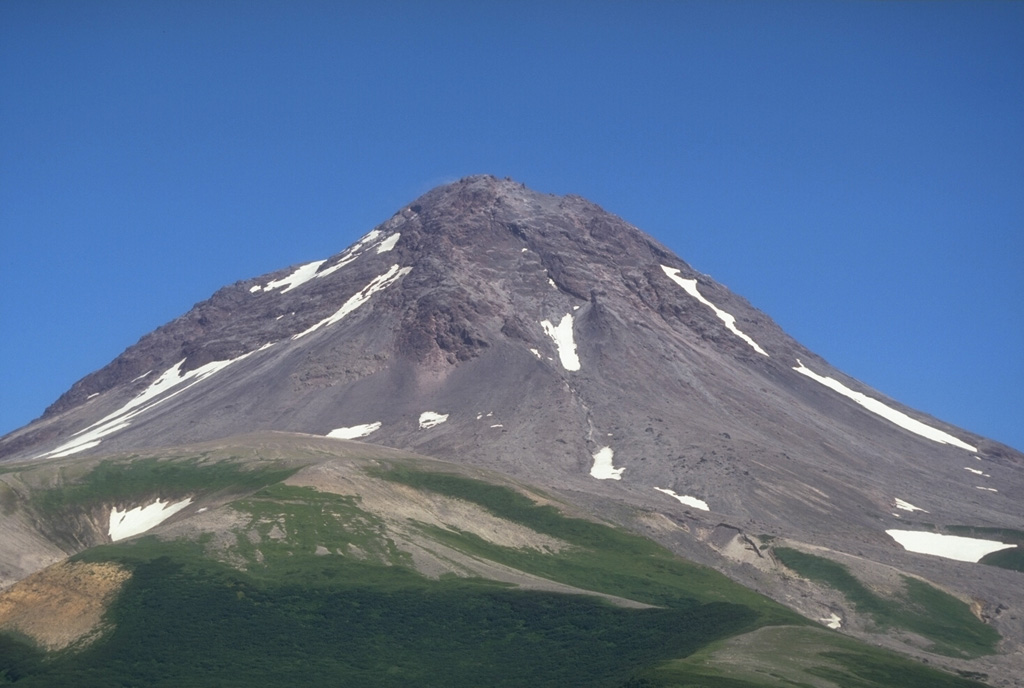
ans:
x=542 y=339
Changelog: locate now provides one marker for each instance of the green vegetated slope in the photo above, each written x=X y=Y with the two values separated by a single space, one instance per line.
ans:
x=919 y=608
x=135 y=479
x=800 y=656
x=310 y=588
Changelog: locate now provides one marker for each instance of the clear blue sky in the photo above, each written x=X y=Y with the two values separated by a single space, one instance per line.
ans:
x=855 y=169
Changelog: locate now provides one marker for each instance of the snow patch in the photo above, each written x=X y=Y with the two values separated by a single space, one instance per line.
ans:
x=158 y=392
x=988 y=489
x=975 y=471
x=354 y=431
x=686 y=499
x=955 y=547
x=124 y=524
x=359 y=298
x=907 y=506
x=497 y=425
x=552 y=283
x=890 y=414
x=832 y=621
x=536 y=353
x=429 y=419
x=564 y=342
x=690 y=286
x=603 y=468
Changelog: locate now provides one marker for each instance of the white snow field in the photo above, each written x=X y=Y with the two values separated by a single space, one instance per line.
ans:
x=603 y=468
x=566 y=345
x=975 y=471
x=355 y=431
x=429 y=419
x=730 y=321
x=124 y=524
x=686 y=499
x=378 y=283
x=907 y=506
x=155 y=394
x=955 y=547
x=890 y=414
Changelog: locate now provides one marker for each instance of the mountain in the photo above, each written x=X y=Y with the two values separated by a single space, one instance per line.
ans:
x=539 y=345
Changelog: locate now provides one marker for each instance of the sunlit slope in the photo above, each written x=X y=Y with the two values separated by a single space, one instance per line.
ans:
x=318 y=562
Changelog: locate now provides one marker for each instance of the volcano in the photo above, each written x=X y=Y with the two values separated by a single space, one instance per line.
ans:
x=538 y=339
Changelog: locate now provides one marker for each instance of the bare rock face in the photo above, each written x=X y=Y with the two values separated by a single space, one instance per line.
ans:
x=543 y=337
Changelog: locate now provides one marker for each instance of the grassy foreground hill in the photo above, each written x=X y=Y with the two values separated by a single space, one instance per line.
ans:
x=301 y=562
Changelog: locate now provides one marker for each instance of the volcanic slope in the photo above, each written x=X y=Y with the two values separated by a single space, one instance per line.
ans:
x=319 y=561
x=544 y=338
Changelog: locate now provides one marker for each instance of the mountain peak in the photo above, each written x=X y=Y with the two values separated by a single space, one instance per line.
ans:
x=485 y=297
x=542 y=337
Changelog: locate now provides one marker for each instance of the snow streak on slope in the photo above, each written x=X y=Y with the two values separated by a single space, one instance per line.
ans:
x=730 y=321
x=360 y=247
x=907 y=506
x=124 y=524
x=389 y=243
x=359 y=298
x=686 y=499
x=302 y=274
x=309 y=271
x=890 y=414
x=155 y=394
x=603 y=468
x=354 y=432
x=564 y=342
x=955 y=547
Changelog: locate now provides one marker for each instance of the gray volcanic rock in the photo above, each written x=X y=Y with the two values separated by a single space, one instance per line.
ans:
x=548 y=339
x=467 y=275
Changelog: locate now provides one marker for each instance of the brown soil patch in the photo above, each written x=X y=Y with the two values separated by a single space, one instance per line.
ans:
x=400 y=504
x=63 y=604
